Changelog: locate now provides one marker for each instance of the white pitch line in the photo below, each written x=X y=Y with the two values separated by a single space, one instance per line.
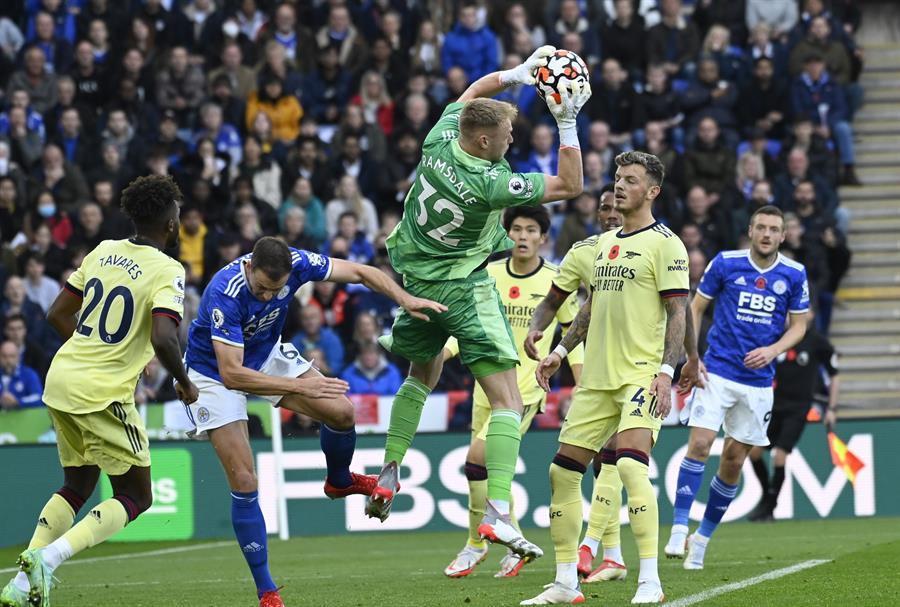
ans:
x=719 y=590
x=136 y=555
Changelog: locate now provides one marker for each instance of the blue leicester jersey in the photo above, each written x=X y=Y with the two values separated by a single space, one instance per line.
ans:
x=751 y=307
x=230 y=313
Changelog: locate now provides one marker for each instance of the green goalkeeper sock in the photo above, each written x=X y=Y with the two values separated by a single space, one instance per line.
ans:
x=405 y=414
x=502 y=452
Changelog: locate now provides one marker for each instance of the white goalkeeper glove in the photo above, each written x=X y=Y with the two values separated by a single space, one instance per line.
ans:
x=572 y=97
x=525 y=73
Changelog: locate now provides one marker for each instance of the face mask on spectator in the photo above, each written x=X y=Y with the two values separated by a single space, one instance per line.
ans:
x=47 y=210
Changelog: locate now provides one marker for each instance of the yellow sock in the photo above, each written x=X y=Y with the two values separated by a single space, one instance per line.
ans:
x=477 y=499
x=55 y=519
x=603 y=522
x=642 y=507
x=566 y=514
x=103 y=521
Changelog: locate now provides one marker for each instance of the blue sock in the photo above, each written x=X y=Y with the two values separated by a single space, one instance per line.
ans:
x=720 y=496
x=338 y=447
x=250 y=531
x=690 y=475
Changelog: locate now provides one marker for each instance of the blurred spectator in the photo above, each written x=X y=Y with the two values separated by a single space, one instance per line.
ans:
x=245 y=195
x=731 y=60
x=121 y=132
x=301 y=196
x=35 y=80
x=154 y=385
x=376 y=103
x=544 y=155
x=349 y=198
x=728 y=13
x=764 y=102
x=305 y=160
x=571 y=20
x=90 y=79
x=12 y=209
x=781 y=15
x=426 y=52
x=179 y=85
x=241 y=77
x=762 y=44
x=578 y=224
x=225 y=136
x=16 y=302
x=402 y=164
x=78 y=147
x=470 y=46
x=34 y=122
x=192 y=243
x=31 y=354
x=62 y=178
x=56 y=48
x=623 y=38
x=340 y=34
x=11 y=39
x=595 y=174
x=314 y=335
x=25 y=143
x=516 y=21
x=711 y=97
x=88 y=226
x=661 y=105
x=262 y=171
x=599 y=142
x=282 y=108
x=818 y=42
x=360 y=249
x=697 y=262
x=674 y=42
x=293 y=230
x=327 y=88
x=702 y=211
x=47 y=212
x=351 y=161
x=710 y=162
x=615 y=102
x=21 y=385
x=388 y=64
x=822 y=160
x=39 y=288
x=285 y=31
x=371 y=373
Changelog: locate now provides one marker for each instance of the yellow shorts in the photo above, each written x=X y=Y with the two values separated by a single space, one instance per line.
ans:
x=595 y=415
x=113 y=439
x=481 y=415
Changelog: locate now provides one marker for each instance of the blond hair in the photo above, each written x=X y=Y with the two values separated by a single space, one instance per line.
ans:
x=483 y=113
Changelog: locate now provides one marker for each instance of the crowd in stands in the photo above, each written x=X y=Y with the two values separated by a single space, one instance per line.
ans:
x=305 y=120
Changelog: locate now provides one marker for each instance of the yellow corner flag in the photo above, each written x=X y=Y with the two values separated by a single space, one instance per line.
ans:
x=843 y=457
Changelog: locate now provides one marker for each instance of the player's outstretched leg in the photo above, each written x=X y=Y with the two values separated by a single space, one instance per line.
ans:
x=690 y=476
x=131 y=497
x=406 y=412
x=722 y=491
x=603 y=523
x=55 y=518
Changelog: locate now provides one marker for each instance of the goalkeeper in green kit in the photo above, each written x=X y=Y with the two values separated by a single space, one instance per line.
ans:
x=451 y=225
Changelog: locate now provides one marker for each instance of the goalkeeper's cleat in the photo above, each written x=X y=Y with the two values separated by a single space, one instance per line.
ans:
x=696 y=552
x=608 y=571
x=499 y=530
x=382 y=497
x=649 y=593
x=676 y=546
x=40 y=576
x=466 y=561
x=585 y=561
x=556 y=594
x=361 y=484
x=511 y=564
x=271 y=599
x=13 y=596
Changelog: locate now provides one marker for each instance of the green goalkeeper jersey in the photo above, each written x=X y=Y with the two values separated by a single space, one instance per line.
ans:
x=452 y=213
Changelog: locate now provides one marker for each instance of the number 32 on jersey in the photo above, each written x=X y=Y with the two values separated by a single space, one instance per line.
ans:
x=440 y=233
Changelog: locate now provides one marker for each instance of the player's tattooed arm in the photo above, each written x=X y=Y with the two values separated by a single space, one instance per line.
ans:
x=693 y=373
x=543 y=316
x=579 y=328
x=676 y=325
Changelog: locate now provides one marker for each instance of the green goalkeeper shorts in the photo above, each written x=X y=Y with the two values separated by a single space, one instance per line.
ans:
x=474 y=316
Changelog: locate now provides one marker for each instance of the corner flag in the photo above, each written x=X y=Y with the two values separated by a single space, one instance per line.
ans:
x=843 y=457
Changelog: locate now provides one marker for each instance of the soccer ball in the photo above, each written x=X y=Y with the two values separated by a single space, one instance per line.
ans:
x=561 y=65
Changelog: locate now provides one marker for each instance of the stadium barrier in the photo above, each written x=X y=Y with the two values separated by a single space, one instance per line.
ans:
x=191 y=498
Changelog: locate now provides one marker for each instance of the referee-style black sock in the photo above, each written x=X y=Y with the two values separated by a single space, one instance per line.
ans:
x=762 y=473
x=775 y=486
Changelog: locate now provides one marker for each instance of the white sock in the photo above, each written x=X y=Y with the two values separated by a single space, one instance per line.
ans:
x=613 y=554
x=649 y=572
x=57 y=553
x=591 y=543
x=701 y=539
x=21 y=582
x=567 y=574
x=501 y=506
x=679 y=532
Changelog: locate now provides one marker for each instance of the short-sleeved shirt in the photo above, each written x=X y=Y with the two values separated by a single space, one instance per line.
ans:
x=231 y=314
x=451 y=215
x=123 y=284
x=521 y=294
x=578 y=265
x=752 y=305
x=632 y=275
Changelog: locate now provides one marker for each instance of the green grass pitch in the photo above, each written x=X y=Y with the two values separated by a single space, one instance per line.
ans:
x=405 y=569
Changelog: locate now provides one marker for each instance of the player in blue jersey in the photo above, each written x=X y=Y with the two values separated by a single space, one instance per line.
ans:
x=234 y=349
x=756 y=291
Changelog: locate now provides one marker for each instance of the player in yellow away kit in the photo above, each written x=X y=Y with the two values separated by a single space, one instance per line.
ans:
x=521 y=280
x=606 y=499
x=128 y=296
x=634 y=325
